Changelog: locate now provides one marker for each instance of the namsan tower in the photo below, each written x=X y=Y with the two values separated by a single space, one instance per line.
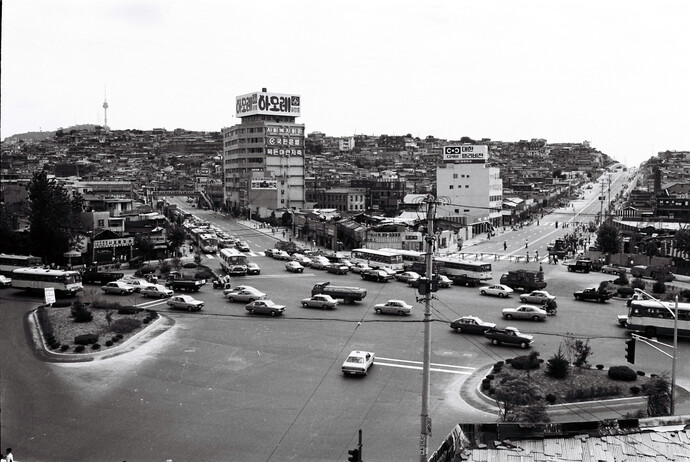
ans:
x=105 y=110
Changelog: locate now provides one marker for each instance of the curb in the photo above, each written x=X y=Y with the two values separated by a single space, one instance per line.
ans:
x=154 y=329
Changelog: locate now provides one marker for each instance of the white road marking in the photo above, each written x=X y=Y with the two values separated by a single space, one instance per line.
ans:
x=419 y=362
x=417 y=365
x=403 y=366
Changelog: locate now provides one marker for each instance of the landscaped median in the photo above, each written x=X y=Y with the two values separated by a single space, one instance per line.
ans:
x=79 y=332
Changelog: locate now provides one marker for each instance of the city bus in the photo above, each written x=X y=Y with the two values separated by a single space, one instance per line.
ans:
x=231 y=259
x=36 y=279
x=409 y=257
x=9 y=263
x=650 y=318
x=378 y=259
x=469 y=273
x=208 y=243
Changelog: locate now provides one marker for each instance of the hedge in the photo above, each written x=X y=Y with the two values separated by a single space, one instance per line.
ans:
x=623 y=373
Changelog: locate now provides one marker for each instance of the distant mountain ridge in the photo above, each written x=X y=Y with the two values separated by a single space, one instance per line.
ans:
x=39 y=136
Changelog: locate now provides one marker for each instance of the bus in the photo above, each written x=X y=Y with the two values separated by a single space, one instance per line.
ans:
x=378 y=259
x=409 y=257
x=231 y=259
x=9 y=263
x=36 y=279
x=208 y=243
x=469 y=273
x=650 y=318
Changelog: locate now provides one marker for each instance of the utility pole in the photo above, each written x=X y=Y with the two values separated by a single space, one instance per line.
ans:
x=425 y=419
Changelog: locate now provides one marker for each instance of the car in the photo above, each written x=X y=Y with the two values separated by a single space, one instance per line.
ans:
x=471 y=325
x=390 y=271
x=320 y=263
x=346 y=262
x=359 y=267
x=593 y=293
x=509 y=335
x=375 y=275
x=443 y=281
x=245 y=295
x=294 y=267
x=541 y=297
x=228 y=291
x=237 y=270
x=242 y=246
x=281 y=255
x=269 y=252
x=301 y=259
x=157 y=291
x=138 y=284
x=358 y=363
x=407 y=276
x=323 y=301
x=337 y=268
x=253 y=268
x=394 y=307
x=265 y=307
x=5 y=281
x=184 y=302
x=610 y=269
x=498 y=290
x=525 y=312
x=117 y=287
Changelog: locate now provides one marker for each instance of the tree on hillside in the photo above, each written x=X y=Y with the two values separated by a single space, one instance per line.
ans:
x=608 y=238
x=682 y=240
x=54 y=218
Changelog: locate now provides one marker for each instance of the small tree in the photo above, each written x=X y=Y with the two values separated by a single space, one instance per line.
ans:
x=608 y=238
x=658 y=391
x=578 y=350
x=512 y=396
x=558 y=366
x=81 y=313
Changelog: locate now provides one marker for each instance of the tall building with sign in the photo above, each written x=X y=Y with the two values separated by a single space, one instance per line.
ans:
x=473 y=191
x=263 y=156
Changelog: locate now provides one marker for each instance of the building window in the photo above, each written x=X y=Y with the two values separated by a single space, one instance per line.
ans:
x=455 y=175
x=467 y=186
x=101 y=223
x=450 y=187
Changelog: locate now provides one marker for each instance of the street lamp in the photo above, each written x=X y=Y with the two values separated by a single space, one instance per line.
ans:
x=675 y=340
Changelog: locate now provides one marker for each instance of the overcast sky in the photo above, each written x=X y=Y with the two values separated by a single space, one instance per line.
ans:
x=616 y=73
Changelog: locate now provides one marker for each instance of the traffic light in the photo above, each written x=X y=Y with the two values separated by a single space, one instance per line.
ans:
x=353 y=455
x=424 y=286
x=630 y=350
x=434 y=283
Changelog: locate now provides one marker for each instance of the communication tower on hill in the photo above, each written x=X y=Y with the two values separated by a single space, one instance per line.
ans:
x=105 y=110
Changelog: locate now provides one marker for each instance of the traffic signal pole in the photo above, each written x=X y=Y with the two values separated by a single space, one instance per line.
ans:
x=426 y=370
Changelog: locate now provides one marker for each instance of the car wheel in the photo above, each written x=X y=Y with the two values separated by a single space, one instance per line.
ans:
x=577 y=297
x=305 y=305
x=535 y=318
x=401 y=313
x=522 y=300
x=458 y=329
x=378 y=310
x=273 y=313
x=146 y=295
x=501 y=295
x=122 y=292
x=523 y=345
x=251 y=311
x=495 y=342
x=231 y=299
x=190 y=308
x=300 y=271
x=509 y=316
x=483 y=292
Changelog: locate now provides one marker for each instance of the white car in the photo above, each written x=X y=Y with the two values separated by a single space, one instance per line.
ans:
x=394 y=307
x=301 y=259
x=246 y=295
x=156 y=290
x=407 y=276
x=498 y=290
x=294 y=267
x=185 y=302
x=359 y=267
x=281 y=255
x=228 y=291
x=320 y=263
x=525 y=312
x=537 y=296
x=358 y=363
x=117 y=287
x=322 y=301
x=138 y=284
x=5 y=281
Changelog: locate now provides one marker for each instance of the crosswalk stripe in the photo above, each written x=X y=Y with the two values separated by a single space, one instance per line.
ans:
x=405 y=366
x=419 y=362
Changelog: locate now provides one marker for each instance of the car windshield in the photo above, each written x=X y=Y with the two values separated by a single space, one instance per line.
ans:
x=355 y=359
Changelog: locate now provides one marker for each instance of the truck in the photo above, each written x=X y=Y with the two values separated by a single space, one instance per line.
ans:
x=582 y=266
x=347 y=294
x=559 y=248
x=94 y=276
x=177 y=281
x=592 y=293
x=526 y=280
x=508 y=335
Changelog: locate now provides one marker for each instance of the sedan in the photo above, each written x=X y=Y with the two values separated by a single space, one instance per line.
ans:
x=322 y=301
x=242 y=246
x=253 y=268
x=337 y=268
x=537 y=296
x=117 y=287
x=228 y=291
x=281 y=255
x=394 y=307
x=265 y=307
x=359 y=267
x=375 y=275
x=525 y=312
x=185 y=302
x=301 y=259
x=157 y=291
x=358 y=363
x=471 y=325
x=246 y=295
x=294 y=267
x=138 y=284
x=320 y=263
x=407 y=276
x=498 y=290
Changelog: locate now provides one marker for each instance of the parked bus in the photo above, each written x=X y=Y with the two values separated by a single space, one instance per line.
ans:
x=9 y=263
x=230 y=258
x=409 y=257
x=470 y=273
x=208 y=243
x=378 y=259
x=650 y=318
x=36 y=279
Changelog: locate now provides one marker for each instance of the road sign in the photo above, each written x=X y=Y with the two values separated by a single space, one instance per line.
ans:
x=49 y=294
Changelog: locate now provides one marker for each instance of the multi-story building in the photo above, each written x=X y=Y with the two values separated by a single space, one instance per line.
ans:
x=472 y=191
x=263 y=156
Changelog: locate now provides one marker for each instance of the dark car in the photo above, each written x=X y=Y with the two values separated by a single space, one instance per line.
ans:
x=471 y=325
x=376 y=275
x=337 y=268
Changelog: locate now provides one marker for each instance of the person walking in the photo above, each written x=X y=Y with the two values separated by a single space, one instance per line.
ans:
x=505 y=246
x=526 y=243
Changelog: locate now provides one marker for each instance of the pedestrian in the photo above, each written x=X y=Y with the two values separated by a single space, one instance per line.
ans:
x=505 y=246
x=536 y=255
x=9 y=457
x=527 y=256
x=541 y=268
x=526 y=243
